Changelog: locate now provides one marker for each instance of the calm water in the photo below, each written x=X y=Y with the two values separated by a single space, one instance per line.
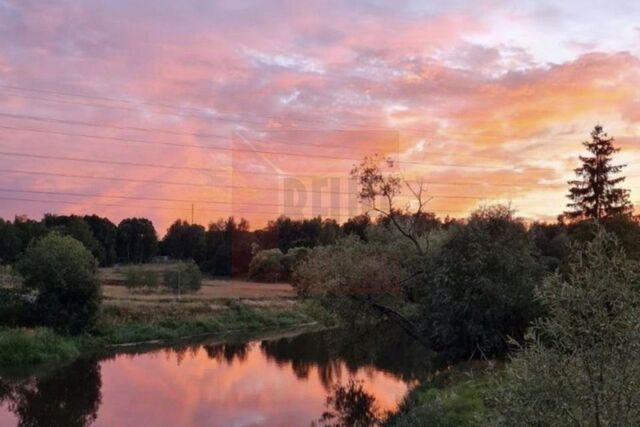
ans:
x=289 y=381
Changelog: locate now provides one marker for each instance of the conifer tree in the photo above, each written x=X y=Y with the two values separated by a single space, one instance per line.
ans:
x=594 y=194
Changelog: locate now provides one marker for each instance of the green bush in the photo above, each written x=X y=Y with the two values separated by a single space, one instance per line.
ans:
x=16 y=307
x=266 y=266
x=185 y=277
x=292 y=259
x=138 y=277
x=579 y=365
x=479 y=291
x=62 y=272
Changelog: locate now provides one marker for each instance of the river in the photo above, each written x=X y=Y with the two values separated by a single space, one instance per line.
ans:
x=293 y=380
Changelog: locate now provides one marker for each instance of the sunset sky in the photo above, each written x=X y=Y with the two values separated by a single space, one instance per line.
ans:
x=143 y=108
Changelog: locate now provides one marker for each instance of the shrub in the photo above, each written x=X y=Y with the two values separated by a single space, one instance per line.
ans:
x=580 y=364
x=266 y=266
x=15 y=307
x=480 y=290
x=137 y=277
x=185 y=277
x=62 y=272
x=292 y=259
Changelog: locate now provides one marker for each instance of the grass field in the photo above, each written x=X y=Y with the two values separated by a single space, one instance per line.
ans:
x=214 y=295
x=127 y=317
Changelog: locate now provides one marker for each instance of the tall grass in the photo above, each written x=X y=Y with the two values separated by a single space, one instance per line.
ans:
x=34 y=346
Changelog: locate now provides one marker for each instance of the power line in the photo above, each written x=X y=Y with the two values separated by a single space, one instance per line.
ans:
x=162 y=199
x=217 y=136
x=164 y=166
x=202 y=185
x=187 y=208
x=199 y=135
x=198 y=112
x=244 y=150
x=153 y=181
x=153 y=165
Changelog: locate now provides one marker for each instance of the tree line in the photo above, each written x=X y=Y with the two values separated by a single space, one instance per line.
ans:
x=226 y=247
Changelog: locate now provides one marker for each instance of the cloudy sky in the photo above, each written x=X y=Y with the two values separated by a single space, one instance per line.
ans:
x=145 y=108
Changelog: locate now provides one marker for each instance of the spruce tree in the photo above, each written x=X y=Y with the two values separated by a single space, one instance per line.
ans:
x=594 y=194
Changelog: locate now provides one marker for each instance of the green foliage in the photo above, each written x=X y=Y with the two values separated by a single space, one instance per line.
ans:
x=121 y=326
x=19 y=347
x=15 y=307
x=78 y=228
x=267 y=266
x=63 y=274
x=137 y=240
x=552 y=243
x=594 y=194
x=351 y=268
x=357 y=225
x=185 y=241
x=444 y=403
x=480 y=288
x=184 y=277
x=139 y=277
x=10 y=242
x=228 y=247
x=625 y=228
x=292 y=259
x=105 y=232
x=580 y=364
x=286 y=233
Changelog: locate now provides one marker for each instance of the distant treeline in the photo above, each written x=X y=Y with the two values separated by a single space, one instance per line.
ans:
x=226 y=247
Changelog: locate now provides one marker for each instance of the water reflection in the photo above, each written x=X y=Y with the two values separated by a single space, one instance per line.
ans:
x=350 y=405
x=330 y=377
x=69 y=397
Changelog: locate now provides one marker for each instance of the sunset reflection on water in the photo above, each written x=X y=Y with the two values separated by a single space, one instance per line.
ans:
x=270 y=383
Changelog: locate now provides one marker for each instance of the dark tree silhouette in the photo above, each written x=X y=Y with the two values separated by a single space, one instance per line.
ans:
x=69 y=397
x=351 y=406
x=185 y=241
x=594 y=194
x=137 y=240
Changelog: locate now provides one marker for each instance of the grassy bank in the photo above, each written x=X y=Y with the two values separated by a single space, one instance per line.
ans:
x=454 y=398
x=124 y=325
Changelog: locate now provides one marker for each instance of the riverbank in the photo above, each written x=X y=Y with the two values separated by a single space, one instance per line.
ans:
x=124 y=326
x=452 y=398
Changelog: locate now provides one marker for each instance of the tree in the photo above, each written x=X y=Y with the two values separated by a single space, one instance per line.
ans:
x=375 y=184
x=357 y=225
x=62 y=272
x=28 y=230
x=228 y=247
x=185 y=277
x=184 y=241
x=105 y=232
x=78 y=228
x=594 y=194
x=137 y=240
x=267 y=266
x=10 y=243
x=626 y=229
x=292 y=259
x=580 y=363
x=480 y=287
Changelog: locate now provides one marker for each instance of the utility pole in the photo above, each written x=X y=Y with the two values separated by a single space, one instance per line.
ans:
x=191 y=213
